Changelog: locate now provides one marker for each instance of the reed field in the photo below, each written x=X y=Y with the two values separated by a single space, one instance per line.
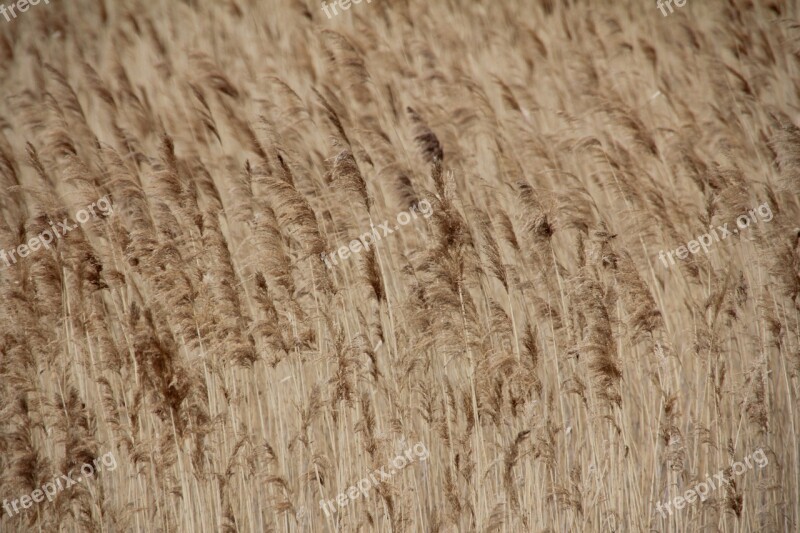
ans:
x=545 y=252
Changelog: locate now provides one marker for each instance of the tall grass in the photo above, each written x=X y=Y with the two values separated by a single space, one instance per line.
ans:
x=561 y=377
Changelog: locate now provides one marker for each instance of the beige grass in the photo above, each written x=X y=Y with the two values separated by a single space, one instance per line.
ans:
x=561 y=377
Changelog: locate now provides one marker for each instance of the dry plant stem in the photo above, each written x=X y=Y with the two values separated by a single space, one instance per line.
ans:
x=518 y=352
x=393 y=351
x=563 y=302
x=473 y=371
x=564 y=418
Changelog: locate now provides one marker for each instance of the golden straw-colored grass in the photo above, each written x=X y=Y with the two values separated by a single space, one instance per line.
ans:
x=527 y=334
